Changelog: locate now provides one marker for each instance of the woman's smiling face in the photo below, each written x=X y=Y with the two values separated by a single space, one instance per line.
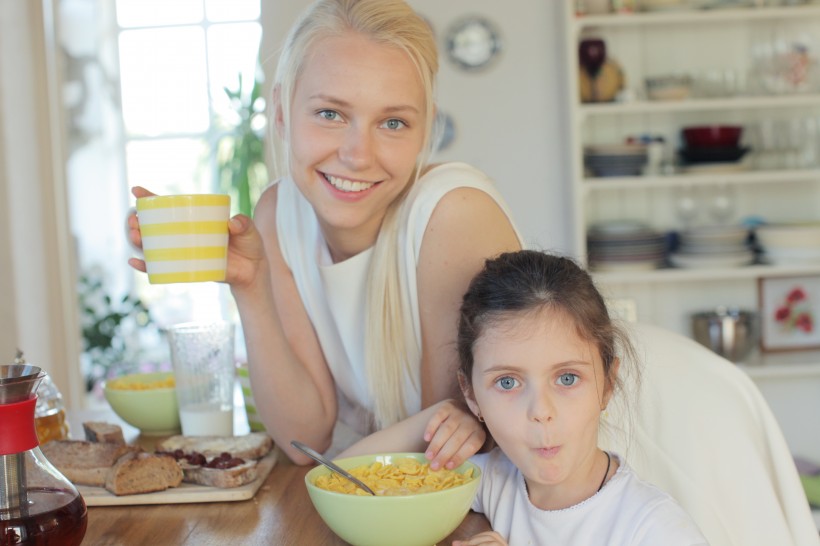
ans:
x=540 y=388
x=357 y=125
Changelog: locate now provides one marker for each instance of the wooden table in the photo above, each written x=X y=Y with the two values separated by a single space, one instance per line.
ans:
x=281 y=513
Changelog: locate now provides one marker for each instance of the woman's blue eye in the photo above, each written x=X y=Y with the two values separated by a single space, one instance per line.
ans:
x=329 y=115
x=567 y=379
x=394 y=124
x=507 y=383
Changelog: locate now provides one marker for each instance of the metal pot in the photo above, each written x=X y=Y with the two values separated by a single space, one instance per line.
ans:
x=731 y=333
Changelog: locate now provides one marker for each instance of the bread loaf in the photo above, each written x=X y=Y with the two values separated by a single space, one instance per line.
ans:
x=219 y=477
x=143 y=473
x=216 y=461
x=85 y=463
x=250 y=446
x=96 y=431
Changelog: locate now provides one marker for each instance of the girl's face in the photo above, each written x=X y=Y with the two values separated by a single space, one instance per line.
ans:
x=540 y=388
x=357 y=127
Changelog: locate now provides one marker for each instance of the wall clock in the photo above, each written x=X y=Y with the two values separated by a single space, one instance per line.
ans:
x=472 y=43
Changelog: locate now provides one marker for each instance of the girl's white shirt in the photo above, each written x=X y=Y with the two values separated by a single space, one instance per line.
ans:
x=334 y=294
x=626 y=511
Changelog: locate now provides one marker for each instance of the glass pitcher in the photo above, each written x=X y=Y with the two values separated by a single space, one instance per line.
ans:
x=38 y=505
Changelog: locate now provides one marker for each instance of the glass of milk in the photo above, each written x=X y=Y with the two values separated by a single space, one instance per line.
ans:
x=202 y=356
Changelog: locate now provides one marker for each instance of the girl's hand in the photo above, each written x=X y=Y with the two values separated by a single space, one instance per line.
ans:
x=454 y=434
x=482 y=539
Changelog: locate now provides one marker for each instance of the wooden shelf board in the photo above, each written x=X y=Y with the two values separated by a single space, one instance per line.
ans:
x=787 y=365
x=699 y=104
x=703 y=16
x=685 y=179
x=671 y=275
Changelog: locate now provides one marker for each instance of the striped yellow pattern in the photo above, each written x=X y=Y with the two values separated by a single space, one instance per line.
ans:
x=183 y=228
x=186 y=253
x=190 y=200
x=186 y=276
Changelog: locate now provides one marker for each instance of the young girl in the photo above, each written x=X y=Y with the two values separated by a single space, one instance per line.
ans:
x=349 y=277
x=539 y=364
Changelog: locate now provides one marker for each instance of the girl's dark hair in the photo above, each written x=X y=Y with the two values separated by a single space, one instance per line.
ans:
x=529 y=281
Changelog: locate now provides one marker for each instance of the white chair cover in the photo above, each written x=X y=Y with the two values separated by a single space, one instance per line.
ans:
x=701 y=430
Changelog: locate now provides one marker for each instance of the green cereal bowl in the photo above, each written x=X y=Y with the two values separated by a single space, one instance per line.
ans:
x=412 y=520
x=153 y=411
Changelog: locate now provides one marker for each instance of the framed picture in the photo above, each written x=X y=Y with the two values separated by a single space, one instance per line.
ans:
x=789 y=310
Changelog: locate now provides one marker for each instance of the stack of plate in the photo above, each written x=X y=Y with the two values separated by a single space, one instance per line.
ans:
x=713 y=247
x=790 y=244
x=615 y=159
x=625 y=246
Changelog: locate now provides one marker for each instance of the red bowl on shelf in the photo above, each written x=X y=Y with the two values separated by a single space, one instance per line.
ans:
x=712 y=136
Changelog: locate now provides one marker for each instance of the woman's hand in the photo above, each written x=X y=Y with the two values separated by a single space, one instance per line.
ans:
x=482 y=539
x=134 y=235
x=246 y=253
x=454 y=435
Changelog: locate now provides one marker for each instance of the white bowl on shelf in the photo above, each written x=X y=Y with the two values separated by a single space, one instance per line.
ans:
x=792 y=256
x=668 y=87
x=794 y=235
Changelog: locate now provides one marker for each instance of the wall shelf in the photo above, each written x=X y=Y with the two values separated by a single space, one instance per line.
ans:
x=698 y=42
x=701 y=104
x=674 y=275
x=789 y=365
x=696 y=16
x=686 y=180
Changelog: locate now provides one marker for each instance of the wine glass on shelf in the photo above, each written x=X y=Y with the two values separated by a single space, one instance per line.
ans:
x=687 y=207
x=722 y=205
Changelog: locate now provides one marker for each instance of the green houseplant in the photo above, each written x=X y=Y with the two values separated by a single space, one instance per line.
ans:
x=241 y=149
x=110 y=328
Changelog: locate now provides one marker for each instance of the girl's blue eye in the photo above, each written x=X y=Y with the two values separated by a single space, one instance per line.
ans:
x=394 y=124
x=507 y=383
x=567 y=379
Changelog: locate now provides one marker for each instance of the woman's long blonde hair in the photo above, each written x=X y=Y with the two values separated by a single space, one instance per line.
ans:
x=391 y=349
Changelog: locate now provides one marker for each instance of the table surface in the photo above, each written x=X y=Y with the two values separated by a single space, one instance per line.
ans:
x=281 y=513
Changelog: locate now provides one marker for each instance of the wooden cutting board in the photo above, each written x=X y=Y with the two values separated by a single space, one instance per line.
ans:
x=186 y=492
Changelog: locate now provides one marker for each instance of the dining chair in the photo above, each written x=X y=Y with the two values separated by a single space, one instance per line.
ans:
x=697 y=426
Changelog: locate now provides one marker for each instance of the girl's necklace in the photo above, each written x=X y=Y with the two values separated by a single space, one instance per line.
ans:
x=608 y=462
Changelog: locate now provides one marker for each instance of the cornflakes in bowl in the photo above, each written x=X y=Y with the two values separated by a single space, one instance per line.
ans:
x=413 y=506
x=147 y=401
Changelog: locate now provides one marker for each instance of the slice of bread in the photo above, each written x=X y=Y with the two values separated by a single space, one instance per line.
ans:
x=250 y=446
x=96 y=431
x=85 y=463
x=220 y=477
x=143 y=472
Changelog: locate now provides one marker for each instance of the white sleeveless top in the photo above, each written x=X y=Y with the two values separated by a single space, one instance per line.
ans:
x=334 y=294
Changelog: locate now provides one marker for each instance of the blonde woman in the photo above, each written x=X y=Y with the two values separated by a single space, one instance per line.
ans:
x=349 y=278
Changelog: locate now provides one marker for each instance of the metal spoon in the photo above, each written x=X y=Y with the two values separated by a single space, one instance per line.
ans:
x=331 y=465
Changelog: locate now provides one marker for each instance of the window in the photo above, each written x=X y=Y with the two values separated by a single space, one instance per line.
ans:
x=145 y=100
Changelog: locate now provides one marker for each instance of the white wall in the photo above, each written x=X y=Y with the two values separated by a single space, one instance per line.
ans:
x=508 y=118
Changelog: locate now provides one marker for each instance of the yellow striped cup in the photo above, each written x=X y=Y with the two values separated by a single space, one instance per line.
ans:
x=184 y=237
